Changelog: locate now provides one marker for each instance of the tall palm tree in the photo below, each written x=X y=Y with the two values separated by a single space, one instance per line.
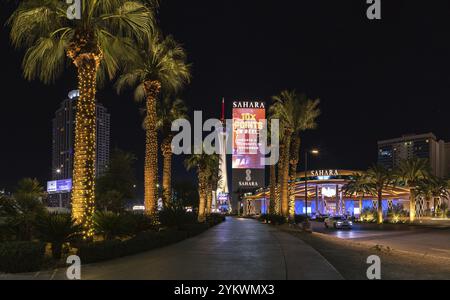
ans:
x=95 y=45
x=274 y=203
x=305 y=116
x=411 y=172
x=359 y=186
x=168 y=111
x=279 y=110
x=439 y=192
x=213 y=178
x=379 y=179
x=297 y=114
x=161 y=66
x=200 y=163
x=432 y=189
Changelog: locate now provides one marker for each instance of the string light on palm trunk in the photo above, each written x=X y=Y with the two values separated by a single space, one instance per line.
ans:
x=83 y=197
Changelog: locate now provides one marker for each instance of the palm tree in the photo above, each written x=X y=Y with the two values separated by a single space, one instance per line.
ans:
x=161 y=66
x=95 y=44
x=304 y=115
x=274 y=203
x=200 y=163
x=279 y=110
x=432 y=189
x=21 y=211
x=168 y=111
x=297 y=114
x=379 y=178
x=213 y=180
x=58 y=229
x=360 y=187
x=411 y=172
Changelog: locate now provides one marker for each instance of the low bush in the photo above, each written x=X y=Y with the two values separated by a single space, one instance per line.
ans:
x=215 y=219
x=175 y=217
x=299 y=219
x=273 y=219
x=18 y=257
x=195 y=229
x=145 y=241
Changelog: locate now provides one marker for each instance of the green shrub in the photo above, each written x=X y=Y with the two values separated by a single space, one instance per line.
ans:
x=299 y=219
x=176 y=216
x=133 y=224
x=109 y=225
x=215 y=219
x=100 y=251
x=195 y=229
x=273 y=219
x=57 y=229
x=145 y=241
x=18 y=257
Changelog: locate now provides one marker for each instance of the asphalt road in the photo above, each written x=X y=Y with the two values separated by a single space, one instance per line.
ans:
x=417 y=239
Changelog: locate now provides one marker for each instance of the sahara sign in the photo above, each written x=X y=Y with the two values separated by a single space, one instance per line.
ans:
x=321 y=173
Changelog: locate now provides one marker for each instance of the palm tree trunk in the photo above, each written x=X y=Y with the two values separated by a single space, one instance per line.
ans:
x=380 y=207
x=273 y=187
x=83 y=194
x=209 y=195
x=279 y=194
x=412 y=205
x=285 y=179
x=166 y=149
x=202 y=196
x=293 y=162
x=152 y=89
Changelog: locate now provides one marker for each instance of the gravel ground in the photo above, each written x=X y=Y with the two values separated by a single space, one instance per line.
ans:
x=349 y=258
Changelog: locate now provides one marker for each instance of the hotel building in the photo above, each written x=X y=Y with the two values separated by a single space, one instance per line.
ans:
x=427 y=146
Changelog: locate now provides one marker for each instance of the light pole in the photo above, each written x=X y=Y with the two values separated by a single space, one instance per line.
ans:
x=314 y=152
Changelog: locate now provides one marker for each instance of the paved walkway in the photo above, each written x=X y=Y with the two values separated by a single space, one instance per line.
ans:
x=238 y=249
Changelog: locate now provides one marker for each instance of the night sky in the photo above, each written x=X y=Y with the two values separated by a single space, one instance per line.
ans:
x=376 y=79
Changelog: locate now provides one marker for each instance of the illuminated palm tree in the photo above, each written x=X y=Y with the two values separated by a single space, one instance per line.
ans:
x=432 y=189
x=161 y=66
x=379 y=178
x=168 y=111
x=279 y=110
x=201 y=163
x=304 y=116
x=214 y=178
x=96 y=45
x=411 y=172
x=296 y=114
x=359 y=186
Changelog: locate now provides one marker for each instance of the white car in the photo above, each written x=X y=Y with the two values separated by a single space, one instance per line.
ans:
x=338 y=223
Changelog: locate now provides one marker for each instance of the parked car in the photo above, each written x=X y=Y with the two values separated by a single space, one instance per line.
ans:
x=338 y=223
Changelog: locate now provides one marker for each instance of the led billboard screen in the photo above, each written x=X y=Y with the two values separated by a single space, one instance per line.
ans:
x=248 y=121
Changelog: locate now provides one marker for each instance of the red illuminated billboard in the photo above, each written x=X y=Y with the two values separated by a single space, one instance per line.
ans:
x=248 y=121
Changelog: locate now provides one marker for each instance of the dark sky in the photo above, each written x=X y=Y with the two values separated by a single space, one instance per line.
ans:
x=376 y=79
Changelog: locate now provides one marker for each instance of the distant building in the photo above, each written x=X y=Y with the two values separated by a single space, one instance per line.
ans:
x=426 y=146
x=63 y=143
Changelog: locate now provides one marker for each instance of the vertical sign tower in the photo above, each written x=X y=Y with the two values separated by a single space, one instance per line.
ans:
x=248 y=167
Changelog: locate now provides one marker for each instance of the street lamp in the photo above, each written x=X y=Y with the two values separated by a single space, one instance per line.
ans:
x=313 y=152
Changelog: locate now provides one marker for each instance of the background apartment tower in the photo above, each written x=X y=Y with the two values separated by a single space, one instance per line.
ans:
x=63 y=144
x=426 y=146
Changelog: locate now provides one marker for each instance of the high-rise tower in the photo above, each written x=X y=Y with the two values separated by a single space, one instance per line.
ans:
x=222 y=196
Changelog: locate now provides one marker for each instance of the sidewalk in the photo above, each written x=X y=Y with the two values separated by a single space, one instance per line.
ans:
x=239 y=249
